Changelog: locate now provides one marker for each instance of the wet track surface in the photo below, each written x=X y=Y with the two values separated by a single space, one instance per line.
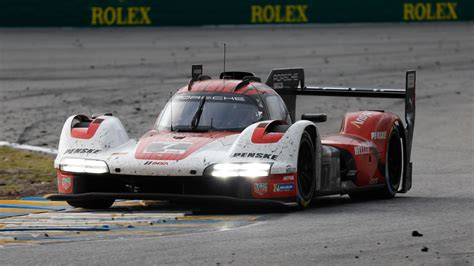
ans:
x=39 y=221
x=48 y=74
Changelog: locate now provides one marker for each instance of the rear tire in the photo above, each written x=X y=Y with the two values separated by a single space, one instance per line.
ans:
x=91 y=204
x=306 y=182
x=394 y=161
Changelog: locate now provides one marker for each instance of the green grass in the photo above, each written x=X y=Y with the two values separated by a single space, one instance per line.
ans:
x=25 y=173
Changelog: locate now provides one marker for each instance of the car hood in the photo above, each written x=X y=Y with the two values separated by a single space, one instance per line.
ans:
x=170 y=153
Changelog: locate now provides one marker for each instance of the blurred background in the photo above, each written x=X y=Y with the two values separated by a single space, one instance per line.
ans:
x=59 y=58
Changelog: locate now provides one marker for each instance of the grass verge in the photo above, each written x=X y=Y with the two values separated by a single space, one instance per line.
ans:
x=24 y=173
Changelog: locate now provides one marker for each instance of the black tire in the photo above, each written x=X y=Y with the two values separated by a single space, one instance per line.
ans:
x=306 y=182
x=394 y=161
x=393 y=164
x=92 y=204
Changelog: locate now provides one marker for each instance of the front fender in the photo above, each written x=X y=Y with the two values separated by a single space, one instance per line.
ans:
x=283 y=153
x=107 y=133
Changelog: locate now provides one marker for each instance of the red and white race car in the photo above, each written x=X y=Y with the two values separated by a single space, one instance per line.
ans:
x=235 y=138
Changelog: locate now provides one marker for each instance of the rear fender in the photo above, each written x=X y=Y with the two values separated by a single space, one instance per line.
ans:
x=374 y=126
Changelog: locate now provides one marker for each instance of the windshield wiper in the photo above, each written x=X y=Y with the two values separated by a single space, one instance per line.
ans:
x=197 y=115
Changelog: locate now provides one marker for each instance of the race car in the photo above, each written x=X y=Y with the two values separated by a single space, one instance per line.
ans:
x=235 y=139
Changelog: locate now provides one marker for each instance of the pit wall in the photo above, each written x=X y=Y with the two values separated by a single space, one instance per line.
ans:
x=120 y=13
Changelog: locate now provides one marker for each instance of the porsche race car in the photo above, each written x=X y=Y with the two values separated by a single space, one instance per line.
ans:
x=235 y=138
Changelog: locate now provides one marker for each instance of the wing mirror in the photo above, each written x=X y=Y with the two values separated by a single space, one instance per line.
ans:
x=316 y=118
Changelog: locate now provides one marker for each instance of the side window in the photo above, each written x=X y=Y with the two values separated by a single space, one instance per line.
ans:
x=277 y=108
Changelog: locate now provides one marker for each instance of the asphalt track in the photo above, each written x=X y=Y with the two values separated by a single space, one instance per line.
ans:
x=48 y=74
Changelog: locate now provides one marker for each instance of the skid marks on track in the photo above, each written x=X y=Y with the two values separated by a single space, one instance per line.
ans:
x=36 y=221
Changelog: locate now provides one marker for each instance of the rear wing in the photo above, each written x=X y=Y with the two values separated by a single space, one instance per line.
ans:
x=291 y=82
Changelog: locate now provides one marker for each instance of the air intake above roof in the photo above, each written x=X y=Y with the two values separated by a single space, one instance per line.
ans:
x=235 y=75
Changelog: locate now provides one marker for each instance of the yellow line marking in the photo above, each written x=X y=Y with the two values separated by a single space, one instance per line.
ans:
x=21 y=210
x=4 y=242
x=34 y=202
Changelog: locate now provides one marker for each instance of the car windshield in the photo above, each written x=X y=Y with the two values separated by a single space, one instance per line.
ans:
x=204 y=112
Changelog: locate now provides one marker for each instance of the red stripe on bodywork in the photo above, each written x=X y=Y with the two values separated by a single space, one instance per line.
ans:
x=86 y=132
x=196 y=141
x=261 y=136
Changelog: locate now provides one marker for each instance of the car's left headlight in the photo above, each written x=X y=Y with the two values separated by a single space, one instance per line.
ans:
x=251 y=170
x=88 y=166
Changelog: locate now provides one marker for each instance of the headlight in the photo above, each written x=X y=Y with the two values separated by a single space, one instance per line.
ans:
x=83 y=166
x=252 y=170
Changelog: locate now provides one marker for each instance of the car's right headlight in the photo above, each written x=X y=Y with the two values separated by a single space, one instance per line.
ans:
x=88 y=166
x=249 y=170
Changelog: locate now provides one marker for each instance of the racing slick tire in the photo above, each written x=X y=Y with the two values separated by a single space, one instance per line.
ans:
x=305 y=180
x=92 y=204
x=394 y=161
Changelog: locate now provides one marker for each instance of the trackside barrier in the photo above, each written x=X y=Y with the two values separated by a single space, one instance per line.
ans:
x=119 y=13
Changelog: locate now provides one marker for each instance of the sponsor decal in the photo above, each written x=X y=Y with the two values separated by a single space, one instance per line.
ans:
x=120 y=16
x=258 y=155
x=261 y=188
x=168 y=147
x=283 y=187
x=155 y=163
x=288 y=178
x=360 y=120
x=359 y=150
x=430 y=11
x=211 y=98
x=278 y=14
x=378 y=135
x=64 y=183
x=77 y=150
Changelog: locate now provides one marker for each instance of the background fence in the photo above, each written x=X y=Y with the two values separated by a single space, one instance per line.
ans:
x=100 y=13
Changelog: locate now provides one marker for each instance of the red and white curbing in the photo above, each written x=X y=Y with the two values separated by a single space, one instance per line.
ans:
x=45 y=150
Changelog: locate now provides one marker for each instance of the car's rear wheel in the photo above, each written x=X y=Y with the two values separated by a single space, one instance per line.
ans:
x=393 y=164
x=394 y=161
x=306 y=182
x=92 y=204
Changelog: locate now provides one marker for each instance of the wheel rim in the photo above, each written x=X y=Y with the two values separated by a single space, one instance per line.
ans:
x=305 y=172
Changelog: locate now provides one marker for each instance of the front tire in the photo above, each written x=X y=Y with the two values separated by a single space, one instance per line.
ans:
x=91 y=204
x=306 y=182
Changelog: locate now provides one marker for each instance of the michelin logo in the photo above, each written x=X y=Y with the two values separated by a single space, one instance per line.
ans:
x=283 y=187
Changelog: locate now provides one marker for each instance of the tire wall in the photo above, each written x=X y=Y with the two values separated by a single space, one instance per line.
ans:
x=125 y=13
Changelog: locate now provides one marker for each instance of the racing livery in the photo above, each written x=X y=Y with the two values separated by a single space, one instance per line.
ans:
x=234 y=138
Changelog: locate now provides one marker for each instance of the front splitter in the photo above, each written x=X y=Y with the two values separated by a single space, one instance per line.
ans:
x=171 y=197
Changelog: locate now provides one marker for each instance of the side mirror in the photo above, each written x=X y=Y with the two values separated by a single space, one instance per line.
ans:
x=316 y=118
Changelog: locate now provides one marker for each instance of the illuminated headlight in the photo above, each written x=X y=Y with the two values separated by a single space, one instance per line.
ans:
x=251 y=170
x=83 y=166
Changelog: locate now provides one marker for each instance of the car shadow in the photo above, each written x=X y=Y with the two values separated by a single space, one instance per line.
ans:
x=327 y=204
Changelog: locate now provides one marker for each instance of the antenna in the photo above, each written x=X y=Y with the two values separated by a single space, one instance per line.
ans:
x=171 y=111
x=225 y=46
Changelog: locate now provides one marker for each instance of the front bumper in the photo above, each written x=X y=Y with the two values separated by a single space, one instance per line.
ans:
x=191 y=189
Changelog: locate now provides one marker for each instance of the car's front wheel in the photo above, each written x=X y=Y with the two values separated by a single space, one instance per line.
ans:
x=92 y=204
x=306 y=181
